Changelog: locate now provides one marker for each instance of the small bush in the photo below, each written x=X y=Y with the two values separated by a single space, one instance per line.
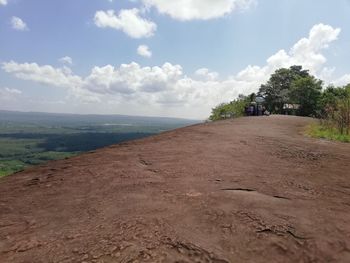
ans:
x=234 y=108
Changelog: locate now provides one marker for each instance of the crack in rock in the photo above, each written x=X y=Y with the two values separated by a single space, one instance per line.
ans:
x=238 y=189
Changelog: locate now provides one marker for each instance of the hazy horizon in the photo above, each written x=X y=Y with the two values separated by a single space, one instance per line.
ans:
x=97 y=114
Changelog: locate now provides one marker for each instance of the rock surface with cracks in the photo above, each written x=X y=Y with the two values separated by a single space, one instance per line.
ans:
x=243 y=190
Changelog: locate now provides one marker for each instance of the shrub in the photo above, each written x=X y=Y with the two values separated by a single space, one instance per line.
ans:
x=234 y=108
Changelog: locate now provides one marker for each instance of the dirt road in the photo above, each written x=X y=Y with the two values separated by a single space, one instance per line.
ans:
x=244 y=190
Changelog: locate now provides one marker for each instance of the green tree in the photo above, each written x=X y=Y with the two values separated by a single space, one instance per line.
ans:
x=306 y=91
x=329 y=100
x=276 y=91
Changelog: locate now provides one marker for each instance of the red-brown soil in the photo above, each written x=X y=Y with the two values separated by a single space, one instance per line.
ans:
x=243 y=190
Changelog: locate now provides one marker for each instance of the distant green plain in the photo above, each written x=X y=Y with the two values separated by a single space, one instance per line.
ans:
x=28 y=139
x=17 y=154
x=20 y=150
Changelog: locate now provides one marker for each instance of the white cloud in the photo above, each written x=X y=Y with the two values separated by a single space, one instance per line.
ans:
x=144 y=51
x=66 y=60
x=11 y=91
x=206 y=74
x=132 y=78
x=3 y=2
x=18 y=24
x=198 y=9
x=128 y=20
x=342 y=81
x=11 y=98
x=8 y=94
x=167 y=90
x=59 y=77
x=50 y=76
x=306 y=52
x=147 y=87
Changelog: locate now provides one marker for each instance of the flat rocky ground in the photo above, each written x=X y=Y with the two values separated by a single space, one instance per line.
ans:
x=243 y=190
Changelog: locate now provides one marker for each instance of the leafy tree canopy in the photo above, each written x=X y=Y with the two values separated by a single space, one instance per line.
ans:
x=277 y=90
x=293 y=86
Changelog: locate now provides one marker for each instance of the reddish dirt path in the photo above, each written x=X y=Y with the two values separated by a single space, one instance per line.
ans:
x=244 y=190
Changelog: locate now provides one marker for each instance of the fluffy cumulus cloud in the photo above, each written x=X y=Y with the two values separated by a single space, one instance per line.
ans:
x=127 y=20
x=198 y=9
x=168 y=88
x=60 y=77
x=66 y=60
x=51 y=76
x=132 y=78
x=306 y=52
x=144 y=51
x=3 y=2
x=206 y=74
x=18 y=24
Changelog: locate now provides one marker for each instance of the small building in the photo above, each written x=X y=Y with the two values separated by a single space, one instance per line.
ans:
x=291 y=109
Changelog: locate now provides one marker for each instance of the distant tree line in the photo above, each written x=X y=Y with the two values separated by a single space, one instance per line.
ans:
x=296 y=88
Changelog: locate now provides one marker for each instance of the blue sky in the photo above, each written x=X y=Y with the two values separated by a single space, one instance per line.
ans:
x=158 y=57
